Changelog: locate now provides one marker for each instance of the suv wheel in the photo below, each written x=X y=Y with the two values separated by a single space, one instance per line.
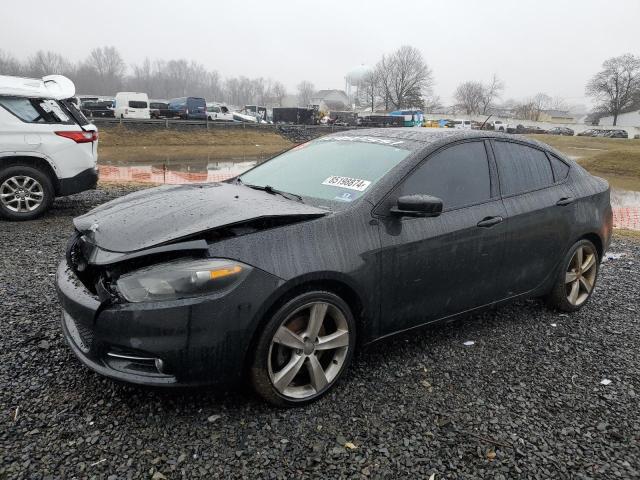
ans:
x=25 y=193
x=303 y=349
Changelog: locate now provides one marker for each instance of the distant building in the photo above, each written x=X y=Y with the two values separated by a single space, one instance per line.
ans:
x=331 y=100
x=556 y=116
x=629 y=119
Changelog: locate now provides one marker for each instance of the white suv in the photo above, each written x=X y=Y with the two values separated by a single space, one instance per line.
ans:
x=47 y=147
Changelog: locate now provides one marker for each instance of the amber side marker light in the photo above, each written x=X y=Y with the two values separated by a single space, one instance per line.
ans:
x=224 y=272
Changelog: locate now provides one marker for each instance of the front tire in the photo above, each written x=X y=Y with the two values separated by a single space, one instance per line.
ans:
x=303 y=349
x=576 y=279
x=25 y=192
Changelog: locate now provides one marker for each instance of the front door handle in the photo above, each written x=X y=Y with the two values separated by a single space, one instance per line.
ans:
x=564 y=201
x=488 y=222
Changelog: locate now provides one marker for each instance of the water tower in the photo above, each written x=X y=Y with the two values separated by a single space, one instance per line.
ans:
x=354 y=79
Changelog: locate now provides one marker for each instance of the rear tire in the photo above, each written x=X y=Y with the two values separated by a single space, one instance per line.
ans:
x=294 y=363
x=576 y=279
x=25 y=192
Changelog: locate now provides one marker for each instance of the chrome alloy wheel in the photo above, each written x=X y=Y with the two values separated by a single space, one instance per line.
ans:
x=21 y=193
x=580 y=277
x=316 y=337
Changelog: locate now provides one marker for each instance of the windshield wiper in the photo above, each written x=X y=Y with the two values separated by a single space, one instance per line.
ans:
x=272 y=191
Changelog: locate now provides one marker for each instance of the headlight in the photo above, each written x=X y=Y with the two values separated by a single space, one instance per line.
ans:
x=181 y=279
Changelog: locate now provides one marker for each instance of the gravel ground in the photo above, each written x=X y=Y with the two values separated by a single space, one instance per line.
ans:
x=526 y=400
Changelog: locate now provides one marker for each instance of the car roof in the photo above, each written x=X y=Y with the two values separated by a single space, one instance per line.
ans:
x=424 y=135
x=421 y=138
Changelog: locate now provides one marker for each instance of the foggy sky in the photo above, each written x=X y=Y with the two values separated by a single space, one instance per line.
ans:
x=533 y=46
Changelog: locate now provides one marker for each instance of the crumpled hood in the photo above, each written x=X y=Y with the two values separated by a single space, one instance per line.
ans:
x=160 y=215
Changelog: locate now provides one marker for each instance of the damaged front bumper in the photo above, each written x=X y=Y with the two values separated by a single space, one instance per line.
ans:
x=192 y=341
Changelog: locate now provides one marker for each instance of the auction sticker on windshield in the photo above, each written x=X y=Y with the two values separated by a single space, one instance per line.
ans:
x=347 y=182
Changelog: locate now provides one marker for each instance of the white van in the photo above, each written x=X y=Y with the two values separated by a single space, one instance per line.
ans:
x=462 y=124
x=132 y=105
x=48 y=148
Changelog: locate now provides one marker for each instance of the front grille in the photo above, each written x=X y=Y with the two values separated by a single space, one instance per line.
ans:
x=81 y=335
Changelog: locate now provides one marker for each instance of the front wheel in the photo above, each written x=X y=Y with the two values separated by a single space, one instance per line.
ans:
x=577 y=278
x=25 y=193
x=303 y=349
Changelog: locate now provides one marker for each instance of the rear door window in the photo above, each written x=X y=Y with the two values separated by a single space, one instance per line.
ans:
x=137 y=104
x=458 y=175
x=521 y=168
x=35 y=110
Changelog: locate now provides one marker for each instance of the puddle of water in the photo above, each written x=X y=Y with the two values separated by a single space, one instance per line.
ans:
x=176 y=173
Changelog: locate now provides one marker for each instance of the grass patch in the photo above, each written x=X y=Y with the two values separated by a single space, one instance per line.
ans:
x=624 y=233
x=119 y=136
x=615 y=159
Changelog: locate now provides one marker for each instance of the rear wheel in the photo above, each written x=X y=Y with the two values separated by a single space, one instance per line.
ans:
x=25 y=192
x=577 y=279
x=304 y=349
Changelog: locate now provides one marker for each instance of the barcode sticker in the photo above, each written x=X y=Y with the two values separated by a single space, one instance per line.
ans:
x=347 y=182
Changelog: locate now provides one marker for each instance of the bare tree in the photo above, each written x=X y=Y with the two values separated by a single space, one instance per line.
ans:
x=278 y=93
x=9 y=65
x=541 y=101
x=405 y=78
x=108 y=66
x=491 y=92
x=616 y=85
x=469 y=97
x=305 y=92
x=432 y=104
x=368 y=90
x=46 y=63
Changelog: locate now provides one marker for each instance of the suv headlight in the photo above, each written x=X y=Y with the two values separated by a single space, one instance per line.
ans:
x=181 y=279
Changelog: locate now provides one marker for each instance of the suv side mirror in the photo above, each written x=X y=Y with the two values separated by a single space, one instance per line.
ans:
x=417 y=206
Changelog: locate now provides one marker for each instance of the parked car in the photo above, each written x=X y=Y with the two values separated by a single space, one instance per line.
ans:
x=617 y=133
x=591 y=132
x=101 y=108
x=499 y=126
x=565 y=131
x=461 y=124
x=529 y=129
x=217 y=112
x=189 y=108
x=132 y=105
x=47 y=147
x=159 y=109
x=276 y=273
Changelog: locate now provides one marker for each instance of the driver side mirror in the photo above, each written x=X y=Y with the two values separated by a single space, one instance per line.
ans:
x=417 y=206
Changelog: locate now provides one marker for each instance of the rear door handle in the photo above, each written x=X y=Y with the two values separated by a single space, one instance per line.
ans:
x=489 y=222
x=564 y=201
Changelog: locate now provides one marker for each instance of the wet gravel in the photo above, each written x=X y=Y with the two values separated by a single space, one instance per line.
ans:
x=525 y=400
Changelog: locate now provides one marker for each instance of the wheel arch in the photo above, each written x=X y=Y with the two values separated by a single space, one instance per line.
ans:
x=39 y=163
x=597 y=242
x=332 y=282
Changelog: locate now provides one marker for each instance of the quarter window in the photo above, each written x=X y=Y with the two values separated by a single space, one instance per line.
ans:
x=522 y=168
x=458 y=176
x=33 y=110
x=560 y=169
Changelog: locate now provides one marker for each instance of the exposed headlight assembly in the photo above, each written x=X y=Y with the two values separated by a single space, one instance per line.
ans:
x=181 y=279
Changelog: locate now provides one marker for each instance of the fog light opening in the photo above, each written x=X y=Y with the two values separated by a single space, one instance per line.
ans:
x=159 y=365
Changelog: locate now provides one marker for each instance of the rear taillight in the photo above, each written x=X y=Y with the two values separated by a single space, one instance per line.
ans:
x=80 y=137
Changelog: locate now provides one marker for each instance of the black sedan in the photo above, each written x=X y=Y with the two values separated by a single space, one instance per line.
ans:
x=280 y=274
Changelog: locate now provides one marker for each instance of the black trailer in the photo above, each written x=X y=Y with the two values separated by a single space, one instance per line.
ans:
x=294 y=115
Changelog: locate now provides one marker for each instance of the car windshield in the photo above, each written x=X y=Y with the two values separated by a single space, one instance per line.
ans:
x=331 y=171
